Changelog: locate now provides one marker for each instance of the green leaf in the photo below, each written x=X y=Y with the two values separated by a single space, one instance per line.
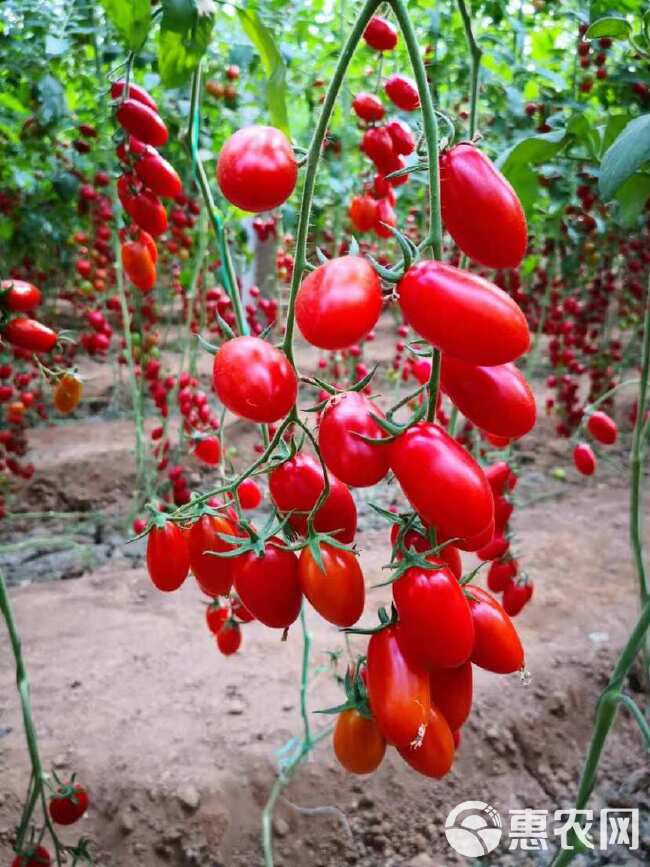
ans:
x=273 y=63
x=179 y=15
x=631 y=197
x=131 y=19
x=610 y=25
x=51 y=99
x=179 y=51
x=517 y=163
x=616 y=123
x=627 y=154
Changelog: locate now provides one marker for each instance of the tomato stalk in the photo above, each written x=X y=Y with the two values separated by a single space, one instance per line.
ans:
x=636 y=460
x=475 y=54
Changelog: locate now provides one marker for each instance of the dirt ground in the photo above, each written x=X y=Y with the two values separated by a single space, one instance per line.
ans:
x=179 y=746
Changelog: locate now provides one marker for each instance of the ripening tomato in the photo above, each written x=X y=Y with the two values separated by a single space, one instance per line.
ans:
x=415 y=540
x=216 y=615
x=443 y=482
x=344 y=420
x=213 y=574
x=339 y=303
x=480 y=210
x=208 y=450
x=135 y=92
x=19 y=296
x=257 y=169
x=159 y=175
x=584 y=459
x=463 y=314
x=368 y=107
x=433 y=610
x=398 y=689
x=29 y=334
x=451 y=693
x=168 y=558
x=385 y=219
x=503 y=510
x=497 y=399
x=337 y=590
x=32 y=856
x=501 y=574
x=497 y=646
x=141 y=121
x=380 y=34
x=516 y=596
x=295 y=487
x=67 y=393
x=402 y=92
x=269 y=586
x=494 y=549
x=378 y=145
x=403 y=139
x=240 y=611
x=254 y=380
x=358 y=744
x=148 y=212
x=602 y=428
x=138 y=264
x=229 y=638
x=497 y=475
x=249 y=493
x=435 y=755
x=68 y=804
x=363 y=213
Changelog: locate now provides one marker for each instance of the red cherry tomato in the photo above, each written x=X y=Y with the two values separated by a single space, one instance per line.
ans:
x=443 y=482
x=378 y=145
x=33 y=856
x=29 y=334
x=380 y=34
x=149 y=213
x=159 y=175
x=345 y=419
x=216 y=615
x=403 y=139
x=385 y=218
x=296 y=485
x=497 y=646
x=516 y=596
x=241 y=612
x=138 y=264
x=451 y=693
x=358 y=744
x=435 y=755
x=480 y=210
x=249 y=493
x=402 y=92
x=208 y=450
x=229 y=638
x=368 y=107
x=462 y=314
x=339 y=303
x=269 y=586
x=19 y=296
x=337 y=590
x=141 y=121
x=584 y=459
x=68 y=805
x=413 y=539
x=168 y=559
x=494 y=549
x=602 y=428
x=257 y=169
x=254 y=380
x=363 y=213
x=135 y=92
x=497 y=475
x=500 y=575
x=398 y=689
x=213 y=574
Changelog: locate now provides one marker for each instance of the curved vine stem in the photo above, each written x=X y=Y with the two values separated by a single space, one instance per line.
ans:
x=476 y=54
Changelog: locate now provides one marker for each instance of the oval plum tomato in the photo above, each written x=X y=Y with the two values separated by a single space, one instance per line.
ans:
x=494 y=549
x=339 y=303
x=503 y=510
x=403 y=139
x=378 y=145
x=29 y=334
x=451 y=693
x=148 y=212
x=240 y=611
x=19 y=296
x=229 y=638
x=358 y=744
x=216 y=615
x=213 y=574
x=138 y=264
x=168 y=558
x=385 y=218
x=463 y=314
x=501 y=574
x=268 y=585
x=68 y=804
x=433 y=610
x=402 y=92
x=295 y=487
x=159 y=175
x=254 y=380
x=135 y=92
x=443 y=482
x=584 y=459
x=497 y=399
x=398 y=689
x=67 y=393
x=249 y=494
x=141 y=121
x=497 y=475
x=344 y=420
x=457 y=736
x=32 y=856
x=435 y=755
x=602 y=428
x=363 y=213
x=257 y=169
x=368 y=107
x=497 y=646
x=480 y=210
x=415 y=540
x=208 y=450
x=337 y=590
x=380 y=34
x=516 y=596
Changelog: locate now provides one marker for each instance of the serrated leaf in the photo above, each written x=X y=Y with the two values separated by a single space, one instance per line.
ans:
x=273 y=63
x=180 y=52
x=610 y=25
x=131 y=19
x=631 y=197
x=625 y=156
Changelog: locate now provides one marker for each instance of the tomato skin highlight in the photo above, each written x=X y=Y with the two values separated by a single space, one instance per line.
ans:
x=462 y=314
x=29 y=334
x=268 y=586
x=339 y=303
x=398 y=689
x=168 y=557
x=451 y=693
x=435 y=755
x=257 y=169
x=19 y=296
x=443 y=483
x=480 y=209
x=141 y=121
x=584 y=459
x=351 y=459
x=497 y=646
x=213 y=574
x=602 y=428
x=69 y=809
x=358 y=744
x=337 y=593
x=497 y=399
x=254 y=380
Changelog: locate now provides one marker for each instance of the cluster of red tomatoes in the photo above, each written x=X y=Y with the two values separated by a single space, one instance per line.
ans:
x=227 y=91
x=67 y=804
x=604 y=430
x=587 y=57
